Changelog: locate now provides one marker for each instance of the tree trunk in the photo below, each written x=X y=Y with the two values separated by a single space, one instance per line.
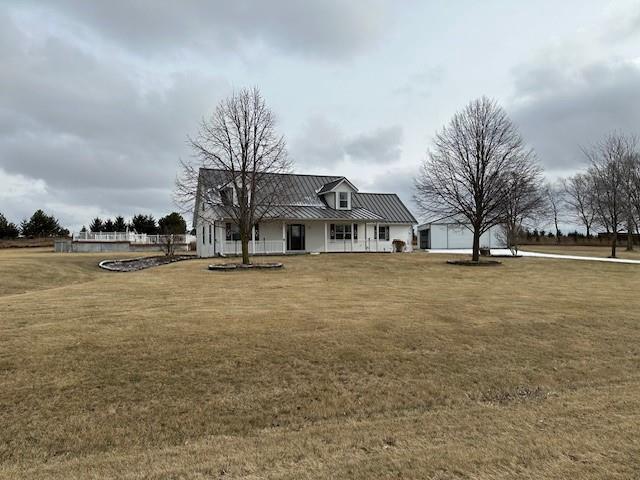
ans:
x=614 y=244
x=588 y=232
x=245 y=249
x=475 y=256
x=629 y=235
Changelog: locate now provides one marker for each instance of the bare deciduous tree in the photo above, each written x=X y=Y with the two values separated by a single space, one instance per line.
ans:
x=634 y=190
x=580 y=198
x=239 y=140
x=465 y=174
x=555 y=201
x=525 y=201
x=168 y=244
x=610 y=168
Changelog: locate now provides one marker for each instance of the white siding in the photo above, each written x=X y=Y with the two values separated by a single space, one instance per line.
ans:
x=459 y=236
x=439 y=236
x=204 y=246
x=343 y=187
x=271 y=236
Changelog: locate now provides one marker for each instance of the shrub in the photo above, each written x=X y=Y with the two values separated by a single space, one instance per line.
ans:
x=398 y=245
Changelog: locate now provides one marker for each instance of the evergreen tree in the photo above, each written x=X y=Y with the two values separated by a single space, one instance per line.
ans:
x=7 y=229
x=108 y=226
x=119 y=225
x=144 y=224
x=42 y=225
x=97 y=225
x=172 y=224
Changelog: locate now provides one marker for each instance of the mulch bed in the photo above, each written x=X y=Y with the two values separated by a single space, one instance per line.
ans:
x=471 y=263
x=225 y=267
x=135 y=264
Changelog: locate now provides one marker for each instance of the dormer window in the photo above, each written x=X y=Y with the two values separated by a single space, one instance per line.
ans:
x=344 y=200
x=226 y=196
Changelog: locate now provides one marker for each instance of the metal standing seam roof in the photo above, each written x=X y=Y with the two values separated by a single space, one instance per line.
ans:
x=327 y=187
x=387 y=205
x=305 y=203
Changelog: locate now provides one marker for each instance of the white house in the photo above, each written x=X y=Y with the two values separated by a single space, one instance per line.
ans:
x=447 y=233
x=320 y=214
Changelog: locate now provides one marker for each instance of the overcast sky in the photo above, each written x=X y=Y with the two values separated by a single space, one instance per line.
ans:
x=96 y=98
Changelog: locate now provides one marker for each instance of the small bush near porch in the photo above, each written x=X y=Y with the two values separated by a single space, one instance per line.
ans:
x=340 y=366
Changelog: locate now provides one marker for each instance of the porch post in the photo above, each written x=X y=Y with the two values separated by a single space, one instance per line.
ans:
x=325 y=237
x=352 y=230
x=377 y=232
x=366 y=238
x=253 y=240
x=284 y=238
x=223 y=242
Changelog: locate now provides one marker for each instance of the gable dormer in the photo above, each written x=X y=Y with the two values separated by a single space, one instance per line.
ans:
x=337 y=194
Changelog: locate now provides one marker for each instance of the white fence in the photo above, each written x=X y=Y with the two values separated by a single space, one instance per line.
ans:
x=131 y=237
x=234 y=247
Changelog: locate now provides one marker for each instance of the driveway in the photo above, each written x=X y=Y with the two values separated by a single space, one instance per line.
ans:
x=499 y=251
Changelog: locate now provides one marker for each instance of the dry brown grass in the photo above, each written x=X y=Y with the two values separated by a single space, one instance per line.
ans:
x=586 y=251
x=26 y=242
x=340 y=366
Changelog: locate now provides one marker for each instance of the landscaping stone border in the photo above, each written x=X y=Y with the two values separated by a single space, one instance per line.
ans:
x=225 y=267
x=141 y=263
x=471 y=263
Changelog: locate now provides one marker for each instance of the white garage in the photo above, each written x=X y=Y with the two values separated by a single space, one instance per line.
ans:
x=447 y=233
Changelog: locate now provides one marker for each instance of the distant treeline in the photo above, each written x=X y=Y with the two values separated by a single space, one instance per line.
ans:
x=173 y=223
x=39 y=225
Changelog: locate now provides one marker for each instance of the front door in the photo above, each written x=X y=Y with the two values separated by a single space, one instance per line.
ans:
x=295 y=237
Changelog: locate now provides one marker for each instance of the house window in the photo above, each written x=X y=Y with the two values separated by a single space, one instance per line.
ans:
x=382 y=233
x=344 y=199
x=226 y=196
x=355 y=231
x=257 y=234
x=340 y=231
x=203 y=237
x=209 y=233
x=233 y=232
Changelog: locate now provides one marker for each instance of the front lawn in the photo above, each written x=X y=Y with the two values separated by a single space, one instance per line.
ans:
x=339 y=366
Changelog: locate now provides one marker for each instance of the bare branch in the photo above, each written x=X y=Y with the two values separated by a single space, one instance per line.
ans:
x=240 y=142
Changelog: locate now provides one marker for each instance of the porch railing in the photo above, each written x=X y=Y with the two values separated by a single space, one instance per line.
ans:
x=234 y=247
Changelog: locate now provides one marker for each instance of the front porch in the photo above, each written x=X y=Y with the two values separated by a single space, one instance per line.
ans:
x=296 y=237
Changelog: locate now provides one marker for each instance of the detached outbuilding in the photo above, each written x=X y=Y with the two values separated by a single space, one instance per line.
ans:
x=448 y=233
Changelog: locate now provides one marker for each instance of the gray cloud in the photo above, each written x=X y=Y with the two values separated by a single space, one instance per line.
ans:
x=562 y=107
x=421 y=84
x=623 y=27
x=323 y=144
x=380 y=146
x=78 y=122
x=396 y=180
x=332 y=29
x=319 y=145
